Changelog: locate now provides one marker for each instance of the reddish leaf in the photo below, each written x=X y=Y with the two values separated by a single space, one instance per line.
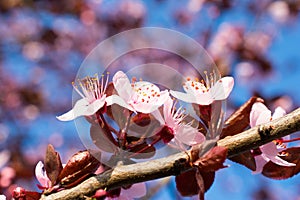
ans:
x=209 y=178
x=237 y=123
x=81 y=165
x=278 y=172
x=52 y=164
x=200 y=182
x=246 y=159
x=212 y=160
x=100 y=139
x=240 y=119
x=30 y=195
x=20 y=193
x=186 y=183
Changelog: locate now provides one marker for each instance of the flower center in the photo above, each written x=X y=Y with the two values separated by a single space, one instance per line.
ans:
x=145 y=92
x=91 y=88
x=196 y=85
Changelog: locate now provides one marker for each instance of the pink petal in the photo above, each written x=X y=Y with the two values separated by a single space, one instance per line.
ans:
x=257 y=110
x=189 y=98
x=156 y=114
x=167 y=110
x=122 y=85
x=270 y=151
x=279 y=112
x=137 y=190
x=41 y=175
x=189 y=135
x=222 y=88
x=260 y=163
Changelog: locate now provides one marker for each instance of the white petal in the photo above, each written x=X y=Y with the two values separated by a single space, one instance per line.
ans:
x=122 y=85
x=264 y=117
x=257 y=110
x=115 y=99
x=41 y=175
x=183 y=96
x=83 y=108
x=279 y=112
x=71 y=115
x=277 y=160
x=91 y=108
x=204 y=98
x=222 y=88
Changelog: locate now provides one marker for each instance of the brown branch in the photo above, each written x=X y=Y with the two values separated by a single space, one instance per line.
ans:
x=175 y=164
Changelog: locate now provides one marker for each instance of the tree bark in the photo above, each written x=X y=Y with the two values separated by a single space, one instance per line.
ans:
x=177 y=163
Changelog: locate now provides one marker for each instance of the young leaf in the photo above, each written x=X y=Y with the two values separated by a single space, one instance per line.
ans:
x=200 y=182
x=278 y=172
x=212 y=160
x=186 y=183
x=240 y=119
x=81 y=165
x=52 y=164
x=100 y=139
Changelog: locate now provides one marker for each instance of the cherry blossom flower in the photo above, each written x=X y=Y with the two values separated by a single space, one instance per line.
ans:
x=140 y=96
x=261 y=114
x=199 y=93
x=2 y=197
x=41 y=176
x=172 y=121
x=93 y=97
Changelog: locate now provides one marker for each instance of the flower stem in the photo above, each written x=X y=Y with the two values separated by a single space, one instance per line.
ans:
x=146 y=147
x=291 y=140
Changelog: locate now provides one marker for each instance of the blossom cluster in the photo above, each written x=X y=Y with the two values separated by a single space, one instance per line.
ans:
x=143 y=100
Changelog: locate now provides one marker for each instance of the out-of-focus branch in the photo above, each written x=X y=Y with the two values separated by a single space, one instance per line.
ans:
x=175 y=164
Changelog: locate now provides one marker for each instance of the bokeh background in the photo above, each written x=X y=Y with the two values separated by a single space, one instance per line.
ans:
x=42 y=44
